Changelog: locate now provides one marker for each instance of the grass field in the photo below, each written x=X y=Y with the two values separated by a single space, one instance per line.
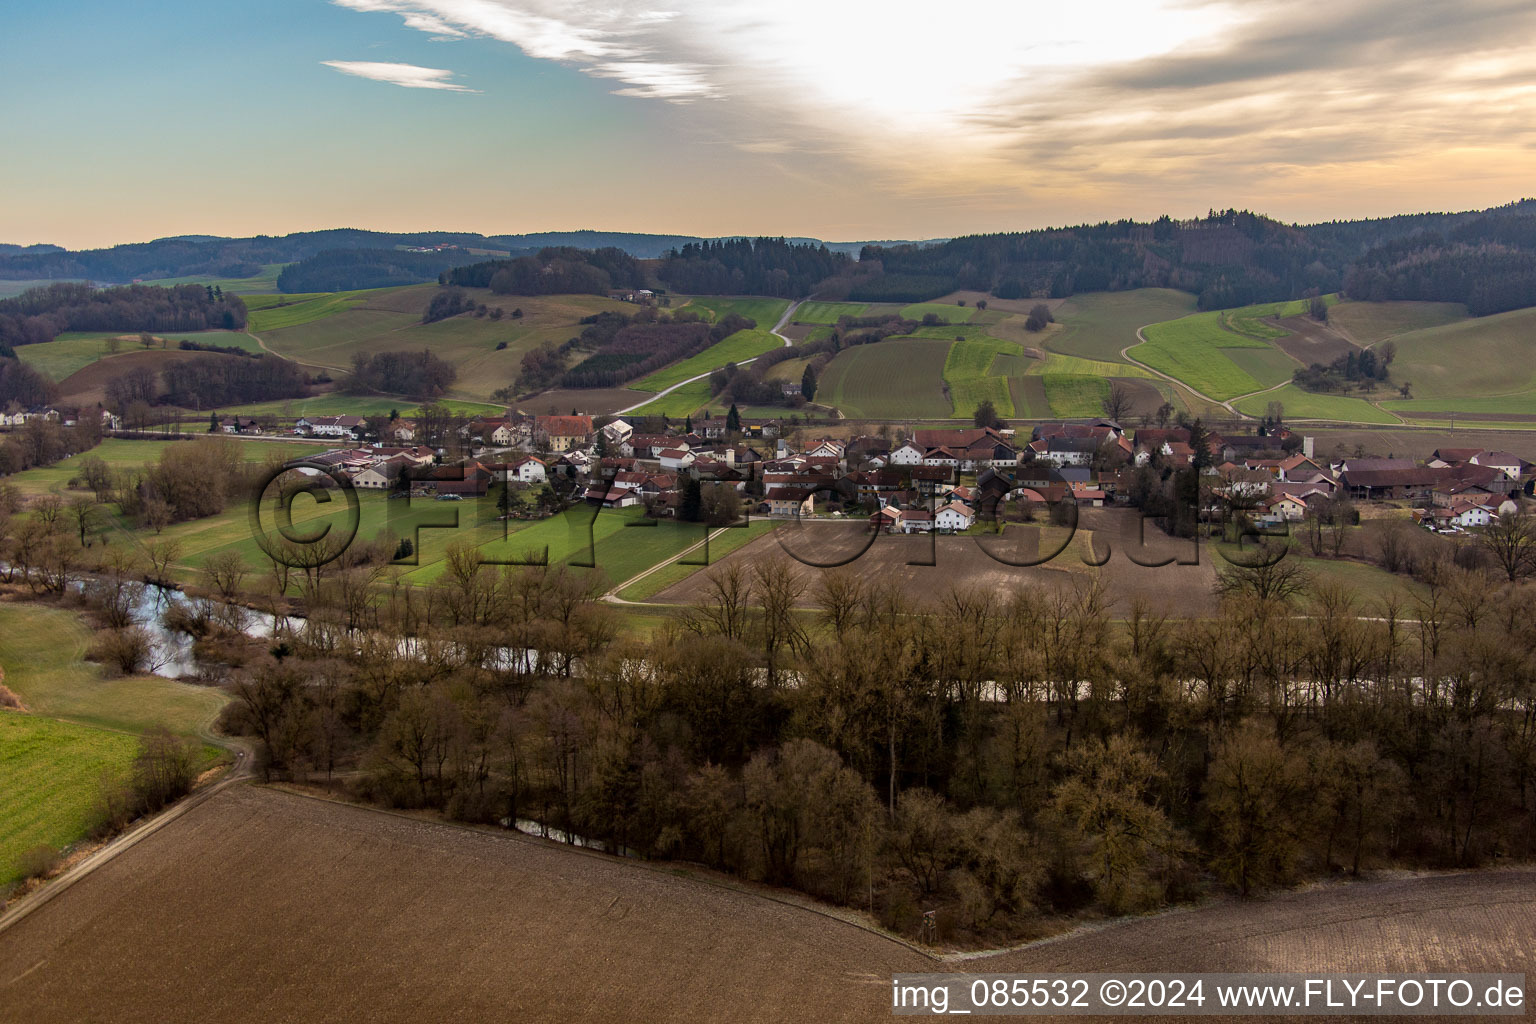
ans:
x=1249 y=320
x=719 y=547
x=948 y=312
x=123 y=454
x=487 y=353
x=968 y=372
x=893 y=379
x=1372 y=322
x=1097 y=325
x=827 y=312
x=1522 y=403
x=43 y=652
x=741 y=346
x=350 y=405
x=52 y=772
x=1193 y=349
x=11 y=289
x=765 y=311
x=1268 y=366
x=685 y=401
x=78 y=728
x=294 y=310
x=74 y=351
x=1305 y=405
x=1075 y=394
x=1476 y=358
x=266 y=281
x=1055 y=362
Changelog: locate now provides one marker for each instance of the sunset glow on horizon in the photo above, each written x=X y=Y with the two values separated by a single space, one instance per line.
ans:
x=843 y=120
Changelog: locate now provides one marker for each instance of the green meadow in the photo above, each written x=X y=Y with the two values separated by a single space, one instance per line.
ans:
x=946 y=311
x=1194 y=349
x=765 y=311
x=737 y=348
x=266 y=281
x=828 y=312
x=685 y=401
x=896 y=378
x=78 y=729
x=73 y=351
x=1300 y=404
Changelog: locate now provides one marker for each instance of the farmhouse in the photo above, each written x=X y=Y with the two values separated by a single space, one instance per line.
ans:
x=526 y=470
x=560 y=433
x=954 y=517
x=791 y=502
x=383 y=475
x=916 y=520
x=1465 y=513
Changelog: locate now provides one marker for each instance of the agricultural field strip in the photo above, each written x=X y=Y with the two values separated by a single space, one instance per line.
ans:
x=309 y=308
x=72 y=352
x=967 y=370
x=1189 y=349
x=827 y=313
x=738 y=348
x=1073 y=395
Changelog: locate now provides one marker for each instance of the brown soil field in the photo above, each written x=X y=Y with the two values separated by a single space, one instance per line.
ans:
x=1310 y=342
x=971 y=561
x=87 y=386
x=1418 y=443
x=1145 y=396
x=1476 y=417
x=1029 y=398
x=587 y=401
x=260 y=905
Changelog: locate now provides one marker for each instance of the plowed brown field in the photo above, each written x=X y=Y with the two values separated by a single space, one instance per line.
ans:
x=984 y=562
x=262 y=906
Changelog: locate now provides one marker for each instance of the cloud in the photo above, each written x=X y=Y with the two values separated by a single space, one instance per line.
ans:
x=996 y=95
x=408 y=76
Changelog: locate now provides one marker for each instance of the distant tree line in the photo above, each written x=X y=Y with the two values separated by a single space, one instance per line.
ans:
x=24 y=386
x=1228 y=258
x=188 y=345
x=42 y=442
x=207 y=382
x=1488 y=264
x=552 y=271
x=418 y=375
x=214 y=380
x=41 y=314
x=339 y=270
x=750 y=266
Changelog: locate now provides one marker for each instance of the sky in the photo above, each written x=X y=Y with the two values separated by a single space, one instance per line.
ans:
x=838 y=119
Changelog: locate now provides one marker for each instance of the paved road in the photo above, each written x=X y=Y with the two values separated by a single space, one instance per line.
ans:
x=775 y=330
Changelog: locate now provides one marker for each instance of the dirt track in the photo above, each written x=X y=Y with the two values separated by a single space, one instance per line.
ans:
x=264 y=906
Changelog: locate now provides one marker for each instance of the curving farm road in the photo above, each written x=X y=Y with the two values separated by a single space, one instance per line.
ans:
x=777 y=330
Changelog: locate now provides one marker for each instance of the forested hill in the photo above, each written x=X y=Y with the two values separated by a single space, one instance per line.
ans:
x=1488 y=263
x=42 y=314
x=1229 y=258
x=206 y=255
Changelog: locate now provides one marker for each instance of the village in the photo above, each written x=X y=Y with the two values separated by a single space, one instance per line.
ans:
x=945 y=480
